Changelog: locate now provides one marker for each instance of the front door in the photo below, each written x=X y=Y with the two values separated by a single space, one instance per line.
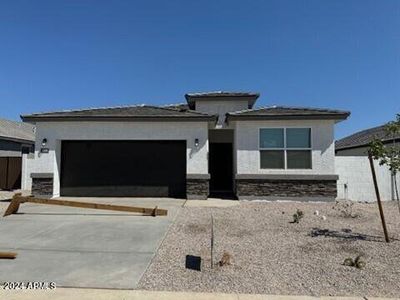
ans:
x=221 y=170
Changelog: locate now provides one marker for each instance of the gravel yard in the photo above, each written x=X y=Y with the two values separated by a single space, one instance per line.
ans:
x=270 y=255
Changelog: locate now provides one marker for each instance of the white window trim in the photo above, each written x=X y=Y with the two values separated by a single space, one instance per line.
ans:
x=284 y=149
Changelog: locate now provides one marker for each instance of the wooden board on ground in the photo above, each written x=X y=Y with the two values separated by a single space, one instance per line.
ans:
x=8 y=255
x=18 y=199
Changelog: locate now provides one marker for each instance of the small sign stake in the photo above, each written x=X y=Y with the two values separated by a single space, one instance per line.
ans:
x=212 y=241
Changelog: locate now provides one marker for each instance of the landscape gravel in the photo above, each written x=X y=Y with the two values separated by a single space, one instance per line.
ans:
x=271 y=255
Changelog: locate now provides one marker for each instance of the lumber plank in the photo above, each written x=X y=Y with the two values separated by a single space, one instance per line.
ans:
x=14 y=205
x=143 y=210
x=8 y=255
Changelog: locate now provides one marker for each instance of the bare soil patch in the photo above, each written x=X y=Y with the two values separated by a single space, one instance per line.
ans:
x=270 y=255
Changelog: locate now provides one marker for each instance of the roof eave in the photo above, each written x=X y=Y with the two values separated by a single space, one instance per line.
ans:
x=337 y=117
x=18 y=140
x=33 y=118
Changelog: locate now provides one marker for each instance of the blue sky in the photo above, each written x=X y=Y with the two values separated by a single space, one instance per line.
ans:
x=73 y=54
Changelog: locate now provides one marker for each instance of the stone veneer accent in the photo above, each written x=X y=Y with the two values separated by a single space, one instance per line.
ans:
x=42 y=184
x=289 y=186
x=197 y=186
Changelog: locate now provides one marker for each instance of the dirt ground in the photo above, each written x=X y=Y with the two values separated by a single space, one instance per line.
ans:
x=271 y=255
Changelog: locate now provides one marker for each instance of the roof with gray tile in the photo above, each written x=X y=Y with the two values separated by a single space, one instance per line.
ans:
x=185 y=111
x=136 y=112
x=12 y=130
x=364 y=137
x=287 y=112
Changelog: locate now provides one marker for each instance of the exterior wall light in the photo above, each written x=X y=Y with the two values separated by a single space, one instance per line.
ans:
x=196 y=143
x=44 y=142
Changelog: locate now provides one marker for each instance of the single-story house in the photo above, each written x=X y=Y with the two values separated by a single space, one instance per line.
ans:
x=16 y=139
x=217 y=144
x=357 y=143
x=353 y=167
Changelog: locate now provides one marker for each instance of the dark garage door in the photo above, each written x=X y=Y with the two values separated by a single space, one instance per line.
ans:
x=123 y=168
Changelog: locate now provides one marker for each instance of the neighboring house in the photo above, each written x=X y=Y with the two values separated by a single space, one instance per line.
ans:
x=16 y=139
x=357 y=143
x=352 y=166
x=215 y=145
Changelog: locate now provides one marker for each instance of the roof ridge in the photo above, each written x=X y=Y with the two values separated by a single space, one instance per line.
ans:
x=175 y=104
x=250 y=109
x=308 y=108
x=188 y=110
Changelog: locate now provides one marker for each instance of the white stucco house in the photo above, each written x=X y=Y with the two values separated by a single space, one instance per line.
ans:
x=217 y=144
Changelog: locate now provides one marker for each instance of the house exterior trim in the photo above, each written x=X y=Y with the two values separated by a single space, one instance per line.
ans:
x=42 y=175
x=286 y=177
x=113 y=119
x=282 y=117
x=198 y=176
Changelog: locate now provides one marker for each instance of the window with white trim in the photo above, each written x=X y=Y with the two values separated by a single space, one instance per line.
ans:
x=285 y=148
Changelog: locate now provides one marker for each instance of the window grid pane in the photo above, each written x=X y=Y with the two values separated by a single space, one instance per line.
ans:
x=272 y=159
x=298 y=159
x=272 y=138
x=298 y=138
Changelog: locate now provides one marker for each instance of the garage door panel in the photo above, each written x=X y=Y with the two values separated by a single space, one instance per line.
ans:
x=123 y=168
x=118 y=191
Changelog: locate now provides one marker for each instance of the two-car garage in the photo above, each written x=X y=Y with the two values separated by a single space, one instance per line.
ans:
x=123 y=168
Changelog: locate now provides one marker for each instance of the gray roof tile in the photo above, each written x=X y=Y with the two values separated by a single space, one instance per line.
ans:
x=125 y=112
x=287 y=112
x=16 y=130
x=364 y=137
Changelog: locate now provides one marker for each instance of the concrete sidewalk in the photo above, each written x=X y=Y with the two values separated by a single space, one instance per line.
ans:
x=101 y=294
x=211 y=202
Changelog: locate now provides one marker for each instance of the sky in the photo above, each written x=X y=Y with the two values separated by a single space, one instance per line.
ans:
x=339 y=54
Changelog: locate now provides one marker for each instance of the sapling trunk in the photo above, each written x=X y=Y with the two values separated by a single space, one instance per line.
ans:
x=378 y=197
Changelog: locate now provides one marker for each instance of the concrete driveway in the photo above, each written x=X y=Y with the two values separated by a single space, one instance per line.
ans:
x=76 y=247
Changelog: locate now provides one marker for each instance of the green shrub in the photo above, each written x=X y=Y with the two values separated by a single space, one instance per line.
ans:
x=297 y=216
x=357 y=262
